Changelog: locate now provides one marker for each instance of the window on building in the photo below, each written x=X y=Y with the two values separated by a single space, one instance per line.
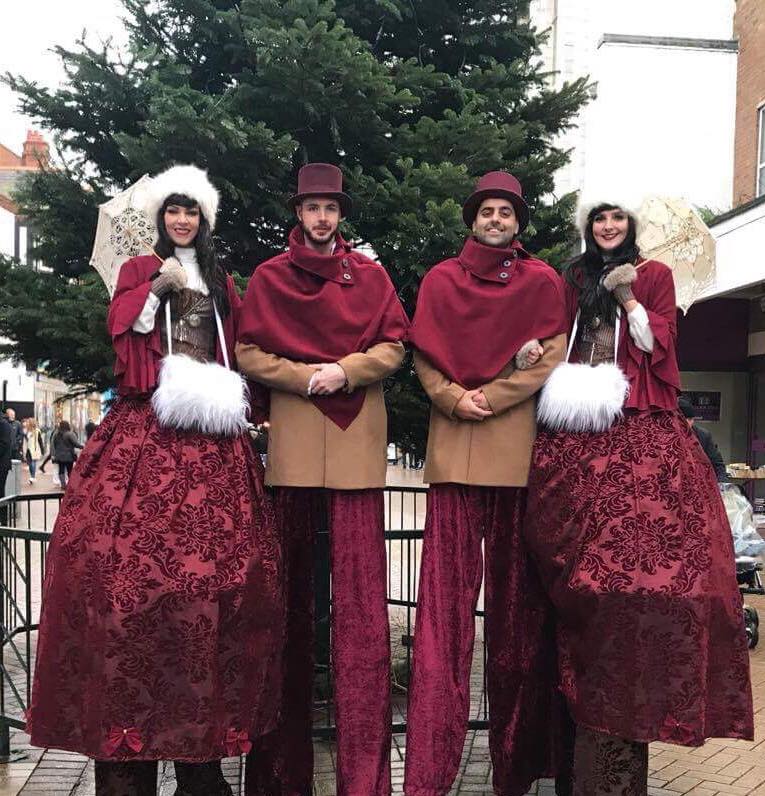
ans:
x=761 y=152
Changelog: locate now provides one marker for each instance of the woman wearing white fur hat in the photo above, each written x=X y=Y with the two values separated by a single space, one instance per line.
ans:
x=162 y=618
x=625 y=520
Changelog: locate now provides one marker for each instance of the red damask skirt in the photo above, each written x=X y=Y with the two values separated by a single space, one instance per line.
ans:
x=163 y=614
x=636 y=552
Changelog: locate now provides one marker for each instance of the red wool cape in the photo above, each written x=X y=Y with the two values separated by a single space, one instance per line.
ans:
x=471 y=320
x=654 y=377
x=310 y=307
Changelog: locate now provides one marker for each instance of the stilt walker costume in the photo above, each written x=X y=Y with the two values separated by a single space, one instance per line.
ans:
x=627 y=525
x=474 y=313
x=306 y=312
x=162 y=616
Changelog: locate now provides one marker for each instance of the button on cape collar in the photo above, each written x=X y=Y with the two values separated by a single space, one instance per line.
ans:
x=490 y=263
x=335 y=267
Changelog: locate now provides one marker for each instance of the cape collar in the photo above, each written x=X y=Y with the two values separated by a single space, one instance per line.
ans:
x=335 y=267
x=490 y=263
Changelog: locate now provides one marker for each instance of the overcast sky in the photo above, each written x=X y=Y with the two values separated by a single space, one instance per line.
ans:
x=25 y=46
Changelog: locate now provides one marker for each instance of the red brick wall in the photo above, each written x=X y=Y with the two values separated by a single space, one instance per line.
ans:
x=8 y=159
x=749 y=27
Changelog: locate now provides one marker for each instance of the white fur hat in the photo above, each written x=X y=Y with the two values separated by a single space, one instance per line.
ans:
x=587 y=204
x=187 y=180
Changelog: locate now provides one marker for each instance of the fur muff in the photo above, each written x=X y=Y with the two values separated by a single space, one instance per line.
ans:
x=200 y=396
x=187 y=180
x=522 y=357
x=621 y=275
x=582 y=398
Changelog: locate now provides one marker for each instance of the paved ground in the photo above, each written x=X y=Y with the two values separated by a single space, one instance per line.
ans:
x=719 y=768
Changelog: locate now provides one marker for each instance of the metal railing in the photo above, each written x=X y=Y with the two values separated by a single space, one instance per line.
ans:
x=26 y=523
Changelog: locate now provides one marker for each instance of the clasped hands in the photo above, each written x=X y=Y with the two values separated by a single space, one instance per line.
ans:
x=327 y=378
x=473 y=405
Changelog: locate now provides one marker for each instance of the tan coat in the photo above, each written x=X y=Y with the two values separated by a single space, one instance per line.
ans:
x=491 y=452
x=305 y=448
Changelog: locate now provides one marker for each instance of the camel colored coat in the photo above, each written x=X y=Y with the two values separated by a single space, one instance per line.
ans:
x=305 y=448
x=491 y=452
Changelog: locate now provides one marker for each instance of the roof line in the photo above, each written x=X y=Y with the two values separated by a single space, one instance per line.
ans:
x=724 y=45
x=737 y=211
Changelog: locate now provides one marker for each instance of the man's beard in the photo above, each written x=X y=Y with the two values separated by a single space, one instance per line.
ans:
x=318 y=241
x=482 y=237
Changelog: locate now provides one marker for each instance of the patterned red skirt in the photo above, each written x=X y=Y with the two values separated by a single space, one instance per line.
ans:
x=162 y=618
x=636 y=552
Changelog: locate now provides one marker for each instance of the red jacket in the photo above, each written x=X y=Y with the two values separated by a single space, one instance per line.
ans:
x=138 y=356
x=654 y=377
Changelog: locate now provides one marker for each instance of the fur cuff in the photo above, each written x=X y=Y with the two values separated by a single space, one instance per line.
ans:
x=522 y=357
x=621 y=275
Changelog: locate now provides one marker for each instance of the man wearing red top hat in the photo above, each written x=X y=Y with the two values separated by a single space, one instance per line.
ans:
x=475 y=314
x=321 y=327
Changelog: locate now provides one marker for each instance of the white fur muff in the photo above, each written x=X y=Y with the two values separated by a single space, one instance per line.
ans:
x=583 y=398
x=200 y=396
x=579 y=397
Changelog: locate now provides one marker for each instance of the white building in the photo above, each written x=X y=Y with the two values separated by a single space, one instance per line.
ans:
x=663 y=80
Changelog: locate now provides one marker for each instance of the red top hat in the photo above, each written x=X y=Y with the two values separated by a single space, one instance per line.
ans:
x=497 y=184
x=321 y=179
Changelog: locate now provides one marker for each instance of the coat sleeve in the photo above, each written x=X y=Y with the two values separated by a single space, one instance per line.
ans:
x=661 y=309
x=129 y=299
x=375 y=364
x=278 y=373
x=443 y=393
x=136 y=355
x=520 y=385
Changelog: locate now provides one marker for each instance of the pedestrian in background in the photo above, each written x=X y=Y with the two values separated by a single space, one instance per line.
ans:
x=35 y=446
x=708 y=445
x=64 y=445
x=17 y=434
x=5 y=460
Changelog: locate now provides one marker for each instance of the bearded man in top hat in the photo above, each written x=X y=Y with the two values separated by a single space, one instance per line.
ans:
x=475 y=314
x=321 y=327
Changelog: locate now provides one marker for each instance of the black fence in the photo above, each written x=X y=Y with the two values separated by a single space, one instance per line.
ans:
x=26 y=523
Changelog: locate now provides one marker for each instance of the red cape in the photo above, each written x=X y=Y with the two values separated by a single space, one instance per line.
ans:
x=138 y=356
x=475 y=311
x=654 y=377
x=310 y=307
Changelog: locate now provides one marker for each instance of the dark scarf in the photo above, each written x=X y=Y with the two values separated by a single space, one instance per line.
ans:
x=587 y=272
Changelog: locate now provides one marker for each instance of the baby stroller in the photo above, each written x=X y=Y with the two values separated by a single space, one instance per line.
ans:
x=748 y=546
x=748 y=571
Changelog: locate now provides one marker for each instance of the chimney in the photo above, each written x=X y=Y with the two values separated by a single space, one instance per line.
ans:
x=36 y=152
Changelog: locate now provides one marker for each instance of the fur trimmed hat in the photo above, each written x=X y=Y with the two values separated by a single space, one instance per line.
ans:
x=189 y=181
x=587 y=204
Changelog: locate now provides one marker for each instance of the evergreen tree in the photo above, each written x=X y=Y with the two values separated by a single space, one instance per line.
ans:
x=414 y=100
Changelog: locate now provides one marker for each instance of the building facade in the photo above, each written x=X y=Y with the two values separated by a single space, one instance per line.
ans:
x=653 y=67
x=749 y=165
x=15 y=236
